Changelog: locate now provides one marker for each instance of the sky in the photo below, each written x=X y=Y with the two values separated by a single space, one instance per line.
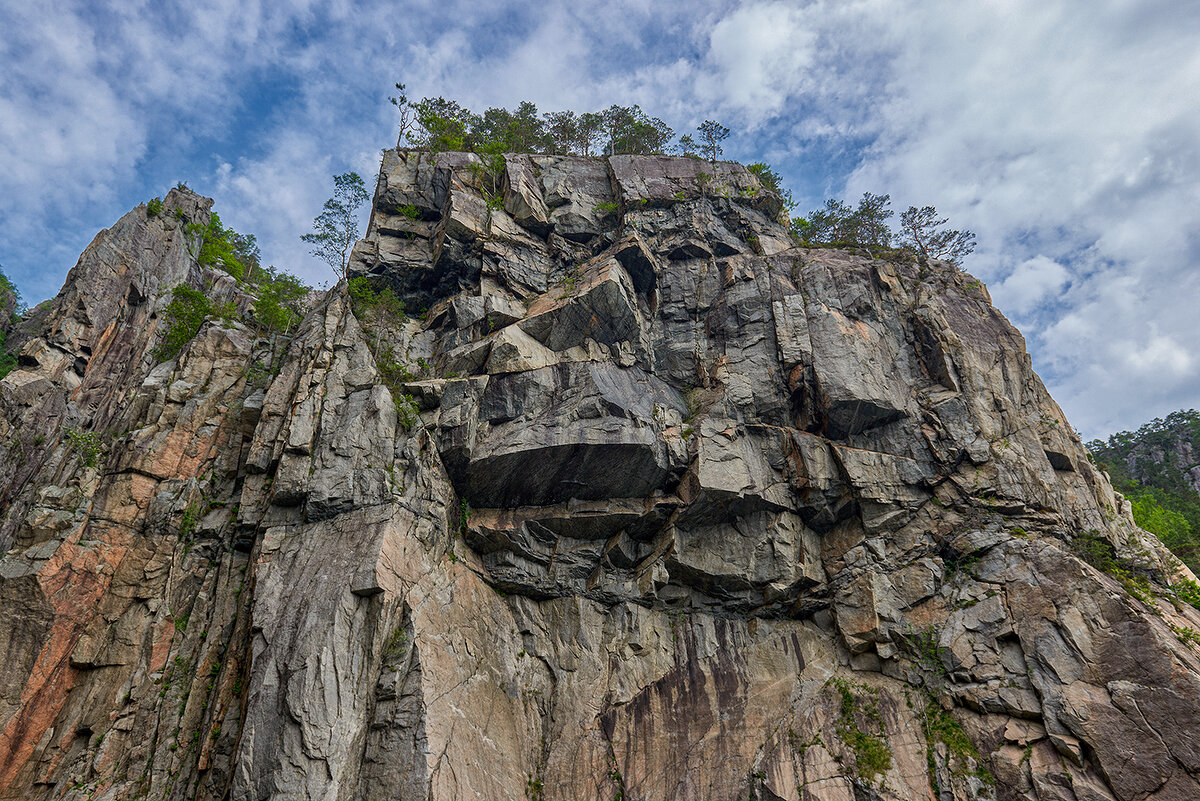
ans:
x=1065 y=134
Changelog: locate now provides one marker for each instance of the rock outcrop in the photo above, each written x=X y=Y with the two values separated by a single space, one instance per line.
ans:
x=658 y=506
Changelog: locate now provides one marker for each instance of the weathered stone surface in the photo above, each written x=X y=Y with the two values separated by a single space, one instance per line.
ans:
x=663 y=508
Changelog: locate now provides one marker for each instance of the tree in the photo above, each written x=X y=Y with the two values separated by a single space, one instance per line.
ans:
x=838 y=224
x=335 y=230
x=224 y=248
x=448 y=126
x=407 y=113
x=771 y=180
x=869 y=226
x=628 y=130
x=591 y=125
x=280 y=301
x=245 y=250
x=504 y=131
x=712 y=134
x=187 y=311
x=562 y=131
x=825 y=225
x=920 y=230
x=526 y=131
x=687 y=147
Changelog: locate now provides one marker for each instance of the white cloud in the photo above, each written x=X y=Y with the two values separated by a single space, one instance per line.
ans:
x=1160 y=354
x=1031 y=283
x=759 y=55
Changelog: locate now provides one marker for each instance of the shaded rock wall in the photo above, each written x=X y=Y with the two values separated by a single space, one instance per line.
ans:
x=688 y=513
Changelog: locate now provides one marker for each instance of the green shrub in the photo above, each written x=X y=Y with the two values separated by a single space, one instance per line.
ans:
x=154 y=207
x=184 y=315
x=90 y=445
x=376 y=309
x=408 y=414
x=223 y=247
x=379 y=310
x=872 y=756
x=278 y=306
x=939 y=726
x=490 y=173
x=1100 y=554
x=8 y=362
x=392 y=370
x=10 y=299
x=1188 y=592
x=771 y=180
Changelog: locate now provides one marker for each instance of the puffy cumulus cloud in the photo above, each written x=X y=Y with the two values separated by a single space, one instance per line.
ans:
x=1032 y=283
x=1160 y=354
x=759 y=55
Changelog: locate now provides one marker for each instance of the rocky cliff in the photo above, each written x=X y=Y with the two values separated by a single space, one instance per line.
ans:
x=639 y=502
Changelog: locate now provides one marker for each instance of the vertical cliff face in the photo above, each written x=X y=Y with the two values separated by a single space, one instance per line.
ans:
x=639 y=502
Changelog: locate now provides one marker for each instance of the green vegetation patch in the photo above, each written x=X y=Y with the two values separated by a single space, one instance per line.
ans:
x=10 y=297
x=187 y=311
x=278 y=307
x=90 y=445
x=872 y=756
x=939 y=726
x=379 y=310
x=1100 y=554
x=8 y=361
x=223 y=247
x=1145 y=467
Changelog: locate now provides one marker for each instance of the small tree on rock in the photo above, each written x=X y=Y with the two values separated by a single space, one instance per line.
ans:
x=407 y=114
x=838 y=224
x=869 y=221
x=712 y=134
x=335 y=230
x=591 y=127
x=562 y=131
x=920 y=229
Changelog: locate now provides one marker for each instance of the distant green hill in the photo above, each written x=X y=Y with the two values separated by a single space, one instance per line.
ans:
x=1157 y=468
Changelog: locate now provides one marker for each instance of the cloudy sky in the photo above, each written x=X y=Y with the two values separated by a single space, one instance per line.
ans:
x=1065 y=134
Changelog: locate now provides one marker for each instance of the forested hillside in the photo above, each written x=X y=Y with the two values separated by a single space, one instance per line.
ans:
x=1157 y=468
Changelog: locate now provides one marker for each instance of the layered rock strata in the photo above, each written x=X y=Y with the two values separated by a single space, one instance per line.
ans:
x=661 y=507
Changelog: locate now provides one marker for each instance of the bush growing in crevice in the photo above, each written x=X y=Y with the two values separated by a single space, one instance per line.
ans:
x=224 y=248
x=10 y=308
x=8 y=362
x=278 y=305
x=1100 y=554
x=939 y=726
x=872 y=756
x=187 y=311
x=380 y=311
x=90 y=445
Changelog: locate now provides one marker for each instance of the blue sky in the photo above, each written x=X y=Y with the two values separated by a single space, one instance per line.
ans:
x=1065 y=134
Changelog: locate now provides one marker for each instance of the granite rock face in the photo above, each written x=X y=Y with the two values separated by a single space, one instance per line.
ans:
x=661 y=508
